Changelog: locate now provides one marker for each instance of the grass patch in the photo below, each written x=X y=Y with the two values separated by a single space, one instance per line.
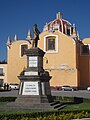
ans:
x=81 y=106
x=3 y=103
x=71 y=111
x=74 y=103
x=6 y=112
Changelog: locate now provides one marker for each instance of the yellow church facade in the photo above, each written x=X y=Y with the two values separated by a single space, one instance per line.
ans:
x=66 y=57
x=61 y=61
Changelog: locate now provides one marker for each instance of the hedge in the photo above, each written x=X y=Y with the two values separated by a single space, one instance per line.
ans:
x=49 y=115
x=7 y=99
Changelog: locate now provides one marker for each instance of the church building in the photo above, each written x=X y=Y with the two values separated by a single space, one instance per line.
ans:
x=67 y=58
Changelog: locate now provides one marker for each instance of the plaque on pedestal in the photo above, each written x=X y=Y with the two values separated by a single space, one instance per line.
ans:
x=30 y=73
x=30 y=88
x=33 y=61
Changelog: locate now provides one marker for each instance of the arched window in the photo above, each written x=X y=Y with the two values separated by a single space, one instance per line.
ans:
x=85 y=50
x=1 y=72
x=68 y=31
x=51 y=43
x=24 y=47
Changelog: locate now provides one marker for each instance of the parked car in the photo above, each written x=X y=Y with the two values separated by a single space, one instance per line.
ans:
x=52 y=87
x=88 y=88
x=67 y=88
x=14 y=86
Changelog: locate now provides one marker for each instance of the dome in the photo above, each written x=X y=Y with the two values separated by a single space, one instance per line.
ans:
x=86 y=41
x=58 y=24
x=61 y=25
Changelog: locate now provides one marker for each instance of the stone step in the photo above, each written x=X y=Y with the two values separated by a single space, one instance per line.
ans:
x=53 y=103
x=61 y=107
x=33 y=99
x=36 y=107
x=58 y=105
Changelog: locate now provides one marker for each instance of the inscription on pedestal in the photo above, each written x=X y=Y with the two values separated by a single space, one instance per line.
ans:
x=30 y=73
x=33 y=61
x=30 y=88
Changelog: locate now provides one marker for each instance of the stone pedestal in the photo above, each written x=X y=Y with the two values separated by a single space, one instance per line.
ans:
x=34 y=82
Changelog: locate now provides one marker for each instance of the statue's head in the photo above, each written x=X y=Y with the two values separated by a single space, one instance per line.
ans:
x=35 y=25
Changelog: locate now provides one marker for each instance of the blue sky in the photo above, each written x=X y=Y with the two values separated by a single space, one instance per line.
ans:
x=17 y=16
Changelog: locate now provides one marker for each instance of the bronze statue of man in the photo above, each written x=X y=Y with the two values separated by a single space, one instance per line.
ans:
x=36 y=36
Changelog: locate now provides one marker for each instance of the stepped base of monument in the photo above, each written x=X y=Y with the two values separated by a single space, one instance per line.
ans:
x=20 y=106
x=32 y=107
x=34 y=99
x=33 y=103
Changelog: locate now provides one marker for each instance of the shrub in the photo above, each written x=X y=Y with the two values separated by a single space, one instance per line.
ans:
x=63 y=98
x=7 y=99
x=49 y=115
